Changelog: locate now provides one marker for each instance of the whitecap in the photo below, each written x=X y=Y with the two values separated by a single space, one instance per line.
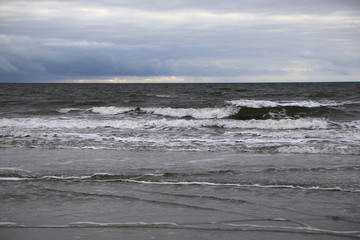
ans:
x=39 y=123
x=197 y=113
x=253 y=103
x=264 y=103
x=163 y=96
x=110 y=110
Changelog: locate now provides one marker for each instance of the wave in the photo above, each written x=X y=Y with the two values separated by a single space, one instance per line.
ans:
x=39 y=123
x=263 y=109
x=99 y=110
x=299 y=136
x=239 y=185
x=243 y=109
x=282 y=112
x=197 y=113
x=133 y=179
x=13 y=179
x=110 y=110
x=68 y=110
x=89 y=224
x=163 y=96
x=307 y=104
x=13 y=169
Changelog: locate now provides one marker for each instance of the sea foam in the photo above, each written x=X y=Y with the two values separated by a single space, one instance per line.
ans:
x=198 y=113
x=29 y=123
x=267 y=104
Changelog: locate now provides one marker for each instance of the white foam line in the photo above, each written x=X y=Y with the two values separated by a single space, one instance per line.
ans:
x=45 y=178
x=310 y=229
x=66 y=177
x=242 y=185
x=13 y=179
x=121 y=224
x=8 y=224
x=86 y=224
x=102 y=174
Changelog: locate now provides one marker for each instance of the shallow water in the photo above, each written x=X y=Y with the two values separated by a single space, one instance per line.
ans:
x=124 y=194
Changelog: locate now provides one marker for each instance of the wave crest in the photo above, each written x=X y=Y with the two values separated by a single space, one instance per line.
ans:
x=197 y=113
x=243 y=109
x=39 y=123
x=266 y=104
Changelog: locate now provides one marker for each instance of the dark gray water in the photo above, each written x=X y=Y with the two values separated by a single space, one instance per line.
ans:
x=257 y=118
x=180 y=161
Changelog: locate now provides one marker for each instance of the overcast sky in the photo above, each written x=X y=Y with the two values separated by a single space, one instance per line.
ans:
x=179 y=40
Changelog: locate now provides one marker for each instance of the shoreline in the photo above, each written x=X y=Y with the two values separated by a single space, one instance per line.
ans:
x=92 y=194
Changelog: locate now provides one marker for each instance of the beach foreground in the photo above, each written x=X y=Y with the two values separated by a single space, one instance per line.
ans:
x=109 y=194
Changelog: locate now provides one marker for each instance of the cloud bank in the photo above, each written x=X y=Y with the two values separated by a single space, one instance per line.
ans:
x=179 y=41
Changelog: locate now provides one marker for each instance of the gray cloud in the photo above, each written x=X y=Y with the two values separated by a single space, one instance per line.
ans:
x=46 y=40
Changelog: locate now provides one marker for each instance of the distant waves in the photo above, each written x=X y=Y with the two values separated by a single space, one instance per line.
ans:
x=275 y=118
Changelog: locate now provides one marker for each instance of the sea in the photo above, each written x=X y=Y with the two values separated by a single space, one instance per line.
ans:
x=180 y=161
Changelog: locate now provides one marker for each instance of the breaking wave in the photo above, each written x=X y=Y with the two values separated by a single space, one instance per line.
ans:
x=242 y=125
x=197 y=113
x=307 y=104
x=243 y=109
x=28 y=123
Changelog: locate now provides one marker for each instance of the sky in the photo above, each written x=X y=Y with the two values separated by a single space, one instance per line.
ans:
x=123 y=41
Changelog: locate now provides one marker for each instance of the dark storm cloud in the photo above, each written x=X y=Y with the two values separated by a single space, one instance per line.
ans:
x=45 y=40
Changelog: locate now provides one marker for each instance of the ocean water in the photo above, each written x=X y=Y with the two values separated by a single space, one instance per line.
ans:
x=178 y=161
